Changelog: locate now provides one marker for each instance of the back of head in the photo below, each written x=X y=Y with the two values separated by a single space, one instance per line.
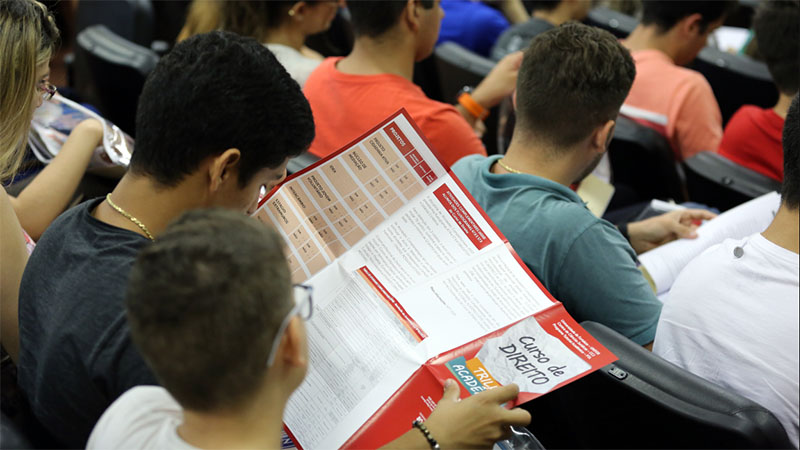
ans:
x=790 y=190
x=28 y=36
x=254 y=17
x=777 y=29
x=204 y=303
x=371 y=18
x=213 y=92
x=573 y=79
x=666 y=13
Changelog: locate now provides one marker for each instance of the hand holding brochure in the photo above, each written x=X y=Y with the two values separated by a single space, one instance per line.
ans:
x=413 y=285
x=57 y=117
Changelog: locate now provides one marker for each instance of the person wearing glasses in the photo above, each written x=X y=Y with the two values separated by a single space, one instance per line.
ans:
x=28 y=36
x=217 y=319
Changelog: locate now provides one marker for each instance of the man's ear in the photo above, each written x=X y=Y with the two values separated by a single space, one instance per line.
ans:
x=691 y=25
x=223 y=168
x=292 y=349
x=411 y=15
x=602 y=136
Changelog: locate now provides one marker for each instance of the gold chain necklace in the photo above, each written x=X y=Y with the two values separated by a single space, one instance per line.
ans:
x=130 y=217
x=505 y=166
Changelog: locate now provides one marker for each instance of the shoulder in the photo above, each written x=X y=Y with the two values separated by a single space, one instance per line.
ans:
x=140 y=418
x=323 y=72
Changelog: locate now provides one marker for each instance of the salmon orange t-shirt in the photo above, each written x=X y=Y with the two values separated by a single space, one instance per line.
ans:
x=675 y=101
x=345 y=106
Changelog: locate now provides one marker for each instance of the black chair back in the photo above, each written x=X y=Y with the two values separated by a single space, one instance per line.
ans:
x=300 y=162
x=118 y=69
x=619 y=24
x=457 y=67
x=736 y=80
x=130 y=19
x=643 y=401
x=643 y=162
x=717 y=181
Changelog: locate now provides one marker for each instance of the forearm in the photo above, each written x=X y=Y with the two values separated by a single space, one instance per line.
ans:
x=50 y=191
x=514 y=11
x=12 y=264
x=412 y=438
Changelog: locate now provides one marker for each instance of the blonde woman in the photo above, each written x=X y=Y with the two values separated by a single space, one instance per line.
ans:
x=28 y=36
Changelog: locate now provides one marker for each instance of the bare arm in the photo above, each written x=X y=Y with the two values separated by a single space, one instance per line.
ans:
x=514 y=11
x=49 y=193
x=497 y=85
x=13 y=257
x=475 y=422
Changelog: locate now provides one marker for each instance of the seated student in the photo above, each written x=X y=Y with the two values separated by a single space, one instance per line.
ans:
x=352 y=94
x=546 y=15
x=732 y=315
x=204 y=138
x=571 y=84
x=475 y=25
x=228 y=389
x=282 y=26
x=28 y=37
x=752 y=137
x=676 y=101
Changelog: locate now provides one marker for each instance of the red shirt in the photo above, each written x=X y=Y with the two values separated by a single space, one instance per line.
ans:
x=345 y=106
x=753 y=139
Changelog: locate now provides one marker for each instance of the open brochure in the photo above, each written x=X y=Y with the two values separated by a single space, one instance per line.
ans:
x=54 y=121
x=413 y=285
x=666 y=262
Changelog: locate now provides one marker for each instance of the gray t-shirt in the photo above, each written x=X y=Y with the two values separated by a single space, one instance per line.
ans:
x=518 y=37
x=76 y=355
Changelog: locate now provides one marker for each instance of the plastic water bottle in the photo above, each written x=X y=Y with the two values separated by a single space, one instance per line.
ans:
x=521 y=439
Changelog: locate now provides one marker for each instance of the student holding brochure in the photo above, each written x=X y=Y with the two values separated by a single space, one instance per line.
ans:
x=230 y=388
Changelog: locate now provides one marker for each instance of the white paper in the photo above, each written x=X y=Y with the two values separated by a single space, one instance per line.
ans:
x=666 y=262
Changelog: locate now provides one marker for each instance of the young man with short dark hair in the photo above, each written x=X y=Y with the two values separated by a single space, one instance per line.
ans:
x=676 y=101
x=571 y=84
x=217 y=121
x=217 y=319
x=752 y=137
x=732 y=314
x=354 y=93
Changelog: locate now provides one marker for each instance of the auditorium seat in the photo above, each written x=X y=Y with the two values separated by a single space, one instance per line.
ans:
x=716 y=181
x=643 y=162
x=118 y=68
x=457 y=67
x=736 y=80
x=643 y=401
x=300 y=162
x=130 y=19
x=619 y=24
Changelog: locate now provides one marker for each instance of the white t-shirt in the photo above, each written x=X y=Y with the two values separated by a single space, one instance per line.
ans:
x=144 y=417
x=734 y=321
x=298 y=65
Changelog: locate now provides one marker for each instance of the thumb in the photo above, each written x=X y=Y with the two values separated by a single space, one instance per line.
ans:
x=451 y=391
x=682 y=231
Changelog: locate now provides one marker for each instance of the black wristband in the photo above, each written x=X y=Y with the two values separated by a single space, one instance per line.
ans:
x=623 y=229
x=421 y=427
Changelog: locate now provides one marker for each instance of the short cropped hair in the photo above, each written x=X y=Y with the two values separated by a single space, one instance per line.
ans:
x=790 y=190
x=373 y=18
x=213 y=92
x=777 y=29
x=204 y=303
x=666 y=13
x=573 y=78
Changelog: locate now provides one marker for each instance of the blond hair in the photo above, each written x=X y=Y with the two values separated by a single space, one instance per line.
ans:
x=28 y=35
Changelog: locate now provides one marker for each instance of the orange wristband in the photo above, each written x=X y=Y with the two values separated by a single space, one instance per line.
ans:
x=476 y=110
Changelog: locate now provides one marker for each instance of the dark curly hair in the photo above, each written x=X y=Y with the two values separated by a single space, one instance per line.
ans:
x=213 y=92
